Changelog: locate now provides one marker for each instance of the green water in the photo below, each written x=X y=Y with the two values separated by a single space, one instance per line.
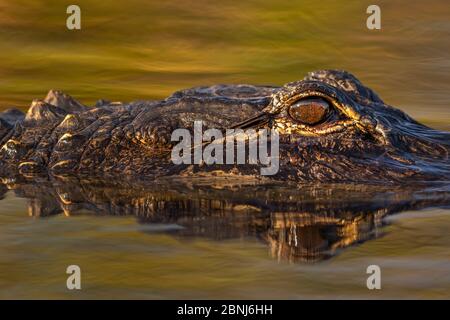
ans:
x=136 y=49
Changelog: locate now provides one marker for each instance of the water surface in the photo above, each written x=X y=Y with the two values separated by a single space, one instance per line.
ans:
x=318 y=243
x=180 y=239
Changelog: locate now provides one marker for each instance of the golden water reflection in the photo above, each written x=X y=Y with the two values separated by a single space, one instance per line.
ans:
x=297 y=223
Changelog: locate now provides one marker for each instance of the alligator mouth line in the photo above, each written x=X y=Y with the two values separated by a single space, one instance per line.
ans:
x=259 y=121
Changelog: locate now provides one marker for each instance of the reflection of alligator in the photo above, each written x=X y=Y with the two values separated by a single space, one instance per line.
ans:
x=308 y=222
x=332 y=128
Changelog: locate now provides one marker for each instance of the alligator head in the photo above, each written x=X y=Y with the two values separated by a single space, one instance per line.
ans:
x=331 y=127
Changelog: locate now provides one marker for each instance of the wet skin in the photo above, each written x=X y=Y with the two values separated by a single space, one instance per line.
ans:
x=332 y=129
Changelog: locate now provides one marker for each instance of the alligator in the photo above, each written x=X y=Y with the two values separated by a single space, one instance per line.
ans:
x=332 y=128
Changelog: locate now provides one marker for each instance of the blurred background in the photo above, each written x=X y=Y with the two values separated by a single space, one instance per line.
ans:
x=140 y=49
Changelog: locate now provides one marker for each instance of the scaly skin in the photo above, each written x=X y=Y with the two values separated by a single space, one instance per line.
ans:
x=347 y=134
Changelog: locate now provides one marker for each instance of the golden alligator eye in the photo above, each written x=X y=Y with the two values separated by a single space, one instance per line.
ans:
x=309 y=111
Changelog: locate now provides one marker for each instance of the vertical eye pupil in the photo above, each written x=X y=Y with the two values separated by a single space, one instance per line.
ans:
x=309 y=111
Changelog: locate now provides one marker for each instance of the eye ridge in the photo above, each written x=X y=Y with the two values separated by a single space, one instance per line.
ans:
x=310 y=111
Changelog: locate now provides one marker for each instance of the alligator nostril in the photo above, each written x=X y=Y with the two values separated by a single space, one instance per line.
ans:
x=309 y=111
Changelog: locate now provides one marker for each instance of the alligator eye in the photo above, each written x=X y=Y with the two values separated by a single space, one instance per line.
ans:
x=309 y=111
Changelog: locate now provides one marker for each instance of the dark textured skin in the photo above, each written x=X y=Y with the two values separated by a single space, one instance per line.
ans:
x=366 y=140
